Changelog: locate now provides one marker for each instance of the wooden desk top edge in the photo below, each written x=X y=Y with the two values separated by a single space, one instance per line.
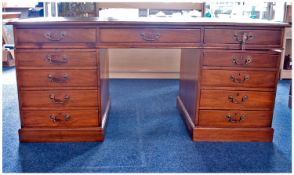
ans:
x=144 y=21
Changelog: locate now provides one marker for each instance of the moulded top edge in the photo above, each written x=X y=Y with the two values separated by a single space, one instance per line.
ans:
x=144 y=21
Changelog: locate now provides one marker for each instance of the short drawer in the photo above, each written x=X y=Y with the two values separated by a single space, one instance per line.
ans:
x=56 y=58
x=141 y=35
x=225 y=99
x=228 y=78
x=57 y=78
x=59 y=98
x=58 y=35
x=231 y=118
x=235 y=36
x=240 y=59
x=72 y=118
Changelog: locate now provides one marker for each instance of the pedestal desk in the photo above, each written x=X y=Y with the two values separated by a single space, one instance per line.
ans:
x=228 y=78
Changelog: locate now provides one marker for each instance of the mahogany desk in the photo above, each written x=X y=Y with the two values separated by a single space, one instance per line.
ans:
x=228 y=78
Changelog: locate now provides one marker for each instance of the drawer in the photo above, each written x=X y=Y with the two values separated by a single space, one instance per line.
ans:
x=224 y=99
x=239 y=59
x=57 y=78
x=60 y=98
x=234 y=36
x=141 y=35
x=56 y=58
x=222 y=118
x=72 y=118
x=229 y=78
x=60 y=35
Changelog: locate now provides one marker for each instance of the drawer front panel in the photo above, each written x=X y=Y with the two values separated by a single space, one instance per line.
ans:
x=217 y=118
x=227 y=78
x=60 y=98
x=150 y=35
x=55 y=58
x=57 y=78
x=73 y=118
x=55 y=35
x=234 y=36
x=235 y=59
x=223 y=99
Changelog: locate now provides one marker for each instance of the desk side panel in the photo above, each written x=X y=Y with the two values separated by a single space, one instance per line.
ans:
x=104 y=83
x=189 y=81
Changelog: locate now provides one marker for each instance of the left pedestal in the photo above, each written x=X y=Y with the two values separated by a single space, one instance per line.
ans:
x=62 y=82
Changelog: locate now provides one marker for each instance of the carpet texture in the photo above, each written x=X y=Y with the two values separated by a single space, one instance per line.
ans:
x=145 y=133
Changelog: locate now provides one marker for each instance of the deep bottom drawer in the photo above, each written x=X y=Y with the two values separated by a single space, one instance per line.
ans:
x=231 y=118
x=60 y=119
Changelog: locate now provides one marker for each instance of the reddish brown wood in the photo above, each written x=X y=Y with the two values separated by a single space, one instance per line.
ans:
x=93 y=21
x=140 y=35
x=226 y=59
x=77 y=98
x=58 y=78
x=227 y=36
x=219 y=99
x=234 y=118
x=62 y=35
x=211 y=52
x=61 y=135
x=189 y=80
x=229 y=78
x=233 y=134
x=60 y=119
x=56 y=58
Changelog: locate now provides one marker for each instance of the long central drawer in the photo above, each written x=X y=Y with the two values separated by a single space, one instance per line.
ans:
x=141 y=35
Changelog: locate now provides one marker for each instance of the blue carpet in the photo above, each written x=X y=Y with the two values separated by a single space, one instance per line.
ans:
x=145 y=133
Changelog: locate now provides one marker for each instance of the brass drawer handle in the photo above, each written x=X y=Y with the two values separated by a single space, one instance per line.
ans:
x=54 y=36
x=67 y=117
x=54 y=79
x=234 y=119
x=151 y=36
x=242 y=38
x=234 y=100
x=242 y=61
x=56 y=59
x=54 y=118
x=238 y=79
x=59 y=101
